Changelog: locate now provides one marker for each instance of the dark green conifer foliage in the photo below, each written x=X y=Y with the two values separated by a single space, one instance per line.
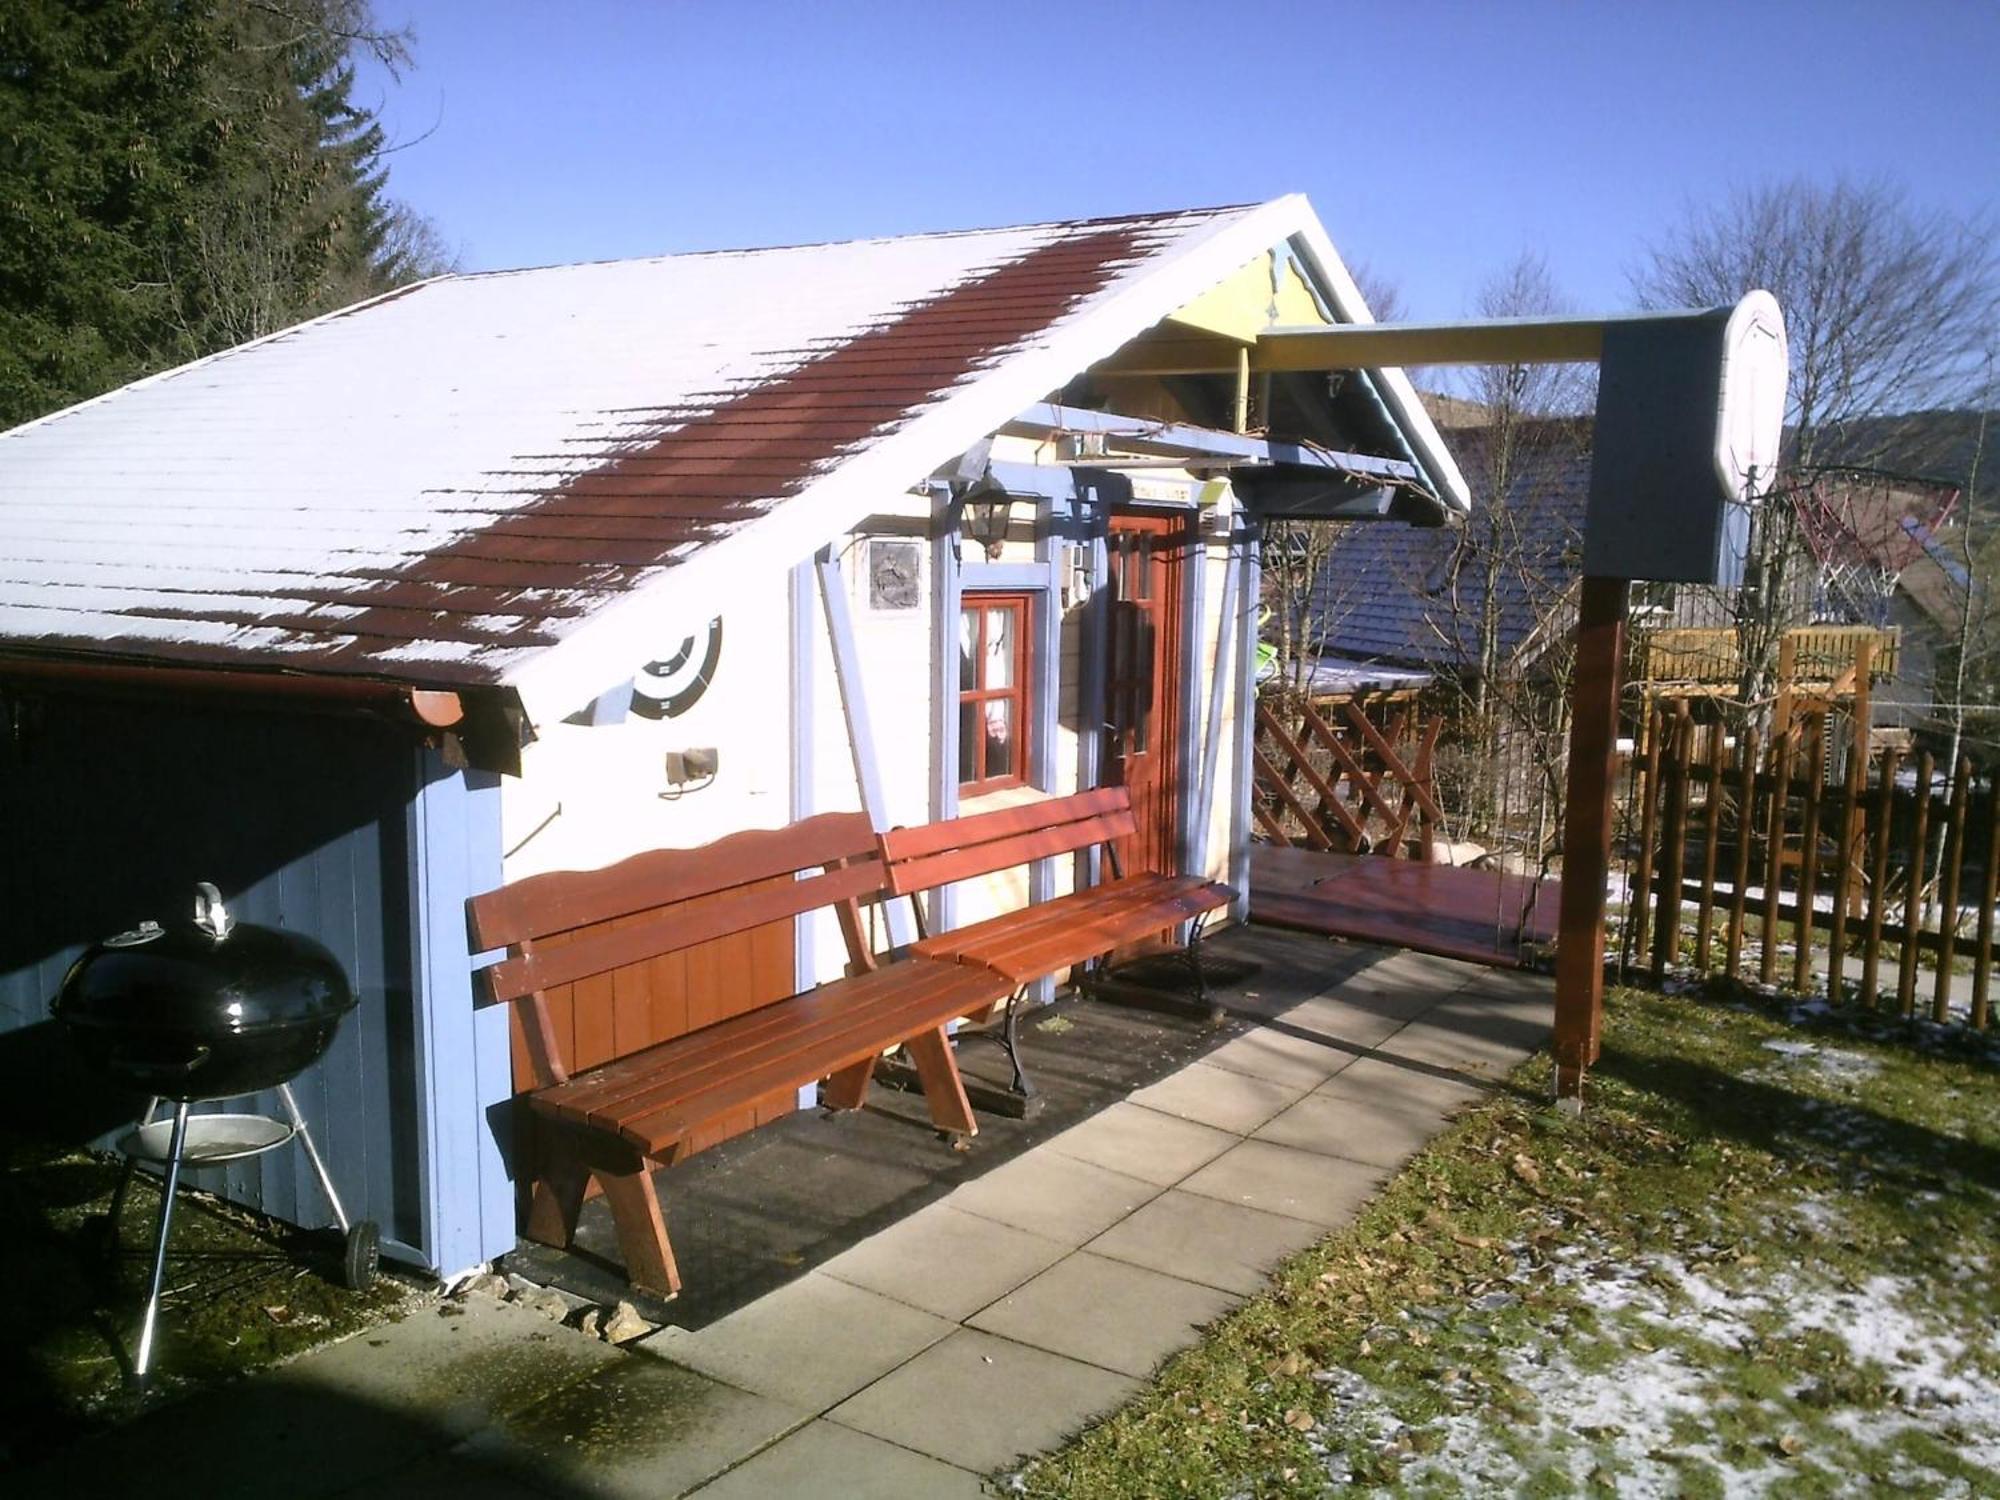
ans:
x=177 y=176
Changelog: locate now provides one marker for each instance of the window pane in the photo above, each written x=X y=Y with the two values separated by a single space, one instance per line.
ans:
x=999 y=648
x=968 y=742
x=1003 y=746
x=968 y=650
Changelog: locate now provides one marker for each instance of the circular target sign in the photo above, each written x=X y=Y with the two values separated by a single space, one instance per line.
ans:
x=668 y=688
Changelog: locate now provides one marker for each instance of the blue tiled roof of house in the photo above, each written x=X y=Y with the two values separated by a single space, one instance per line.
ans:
x=1394 y=593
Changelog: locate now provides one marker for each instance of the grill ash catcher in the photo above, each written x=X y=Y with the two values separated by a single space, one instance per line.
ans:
x=202 y=1010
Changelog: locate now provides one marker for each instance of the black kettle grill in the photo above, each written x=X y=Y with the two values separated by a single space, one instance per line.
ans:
x=209 y=1008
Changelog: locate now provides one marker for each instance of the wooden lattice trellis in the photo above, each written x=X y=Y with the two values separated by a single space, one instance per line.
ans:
x=1329 y=777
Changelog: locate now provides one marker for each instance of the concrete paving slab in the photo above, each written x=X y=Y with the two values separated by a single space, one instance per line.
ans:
x=1322 y=1190
x=1295 y=965
x=1445 y=974
x=643 y=1429
x=1106 y=1312
x=234 y=1443
x=945 y=1261
x=1057 y=1197
x=1143 y=1143
x=342 y=1417
x=825 y=1461
x=1389 y=1081
x=1282 y=1054
x=449 y=1476
x=811 y=1343
x=1405 y=983
x=1226 y=1100
x=455 y=1366
x=1491 y=1051
x=1336 y=1125
x=1341 y=1024
x=1199 y=1238
x=982 y=1402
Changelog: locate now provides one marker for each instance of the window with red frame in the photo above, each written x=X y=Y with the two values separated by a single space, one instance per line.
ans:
x=994 y=662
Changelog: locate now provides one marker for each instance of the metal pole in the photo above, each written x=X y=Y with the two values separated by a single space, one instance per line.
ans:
x=1593 y=745
x=173 y=1177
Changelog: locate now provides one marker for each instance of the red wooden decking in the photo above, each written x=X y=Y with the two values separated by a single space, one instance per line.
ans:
x=1474 y=915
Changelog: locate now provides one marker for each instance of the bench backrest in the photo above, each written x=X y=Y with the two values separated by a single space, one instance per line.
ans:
x=666 y=900
x=934 y=854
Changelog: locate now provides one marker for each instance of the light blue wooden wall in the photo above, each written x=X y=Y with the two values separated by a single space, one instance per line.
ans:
x=337 y=827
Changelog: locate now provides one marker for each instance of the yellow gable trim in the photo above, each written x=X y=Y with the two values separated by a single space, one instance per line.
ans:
x=1246 y=304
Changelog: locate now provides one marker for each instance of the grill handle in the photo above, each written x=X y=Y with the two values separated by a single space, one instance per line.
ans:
x=210 y=914
x=145 y=1068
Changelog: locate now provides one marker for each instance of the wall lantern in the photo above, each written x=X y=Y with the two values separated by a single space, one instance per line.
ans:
x=984 y=515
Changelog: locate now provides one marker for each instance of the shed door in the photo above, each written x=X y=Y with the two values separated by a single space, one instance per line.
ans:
x=1144 y=681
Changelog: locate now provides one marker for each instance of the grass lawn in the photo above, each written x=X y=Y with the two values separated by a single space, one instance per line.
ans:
x=1766 y=1259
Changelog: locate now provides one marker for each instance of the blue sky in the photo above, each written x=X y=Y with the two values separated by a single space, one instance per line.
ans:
x=1437 y=140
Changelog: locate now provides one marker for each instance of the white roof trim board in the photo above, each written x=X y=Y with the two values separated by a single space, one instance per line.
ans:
x=511 y=479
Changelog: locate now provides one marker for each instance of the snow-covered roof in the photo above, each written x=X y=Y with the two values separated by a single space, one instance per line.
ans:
x=526 y=479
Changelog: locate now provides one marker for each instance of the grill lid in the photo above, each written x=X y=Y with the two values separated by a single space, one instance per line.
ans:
x=204 y=977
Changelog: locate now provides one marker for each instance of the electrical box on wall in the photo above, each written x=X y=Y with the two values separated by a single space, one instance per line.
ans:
x=1690 y=415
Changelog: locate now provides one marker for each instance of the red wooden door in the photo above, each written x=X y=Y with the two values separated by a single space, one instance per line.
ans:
x=1144 y=681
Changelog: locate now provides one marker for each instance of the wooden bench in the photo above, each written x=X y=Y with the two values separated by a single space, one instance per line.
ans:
x=1068 y=931
x=661 y=1103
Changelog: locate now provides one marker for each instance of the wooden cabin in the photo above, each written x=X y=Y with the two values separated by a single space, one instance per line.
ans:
x=532 y=570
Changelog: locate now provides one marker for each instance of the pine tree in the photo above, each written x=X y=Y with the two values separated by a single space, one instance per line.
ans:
x=178 y=176
x=101 y=141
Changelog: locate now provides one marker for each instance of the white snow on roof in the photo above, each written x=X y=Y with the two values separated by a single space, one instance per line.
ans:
x=246 y=506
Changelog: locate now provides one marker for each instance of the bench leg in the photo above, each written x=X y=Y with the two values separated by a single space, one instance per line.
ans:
x=1010 y=1043
x=1215 y=1011
x=642 y=1230
x=944 y=1090
x=848 y=1089
x=555 y=1197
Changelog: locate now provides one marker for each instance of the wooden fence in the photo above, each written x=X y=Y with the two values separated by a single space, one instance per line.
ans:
x=1806 y=861
x=1330 y=776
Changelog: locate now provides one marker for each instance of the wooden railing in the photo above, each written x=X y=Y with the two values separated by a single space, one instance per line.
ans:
x=1709 y=656
x=1801 y=863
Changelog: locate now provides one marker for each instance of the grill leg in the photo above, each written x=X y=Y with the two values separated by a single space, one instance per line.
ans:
x=144 y=1359
x=124 y=1189
x=312 y=1155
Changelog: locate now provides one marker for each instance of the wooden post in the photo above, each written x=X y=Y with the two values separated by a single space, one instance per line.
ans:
x=1850 y=855
x=1711 y=832
x=1878 y=880
x=1673 y=856
x=1593 y=747
x=1774 y=852
x=1788 y=667
x=1982 y=953
x=1863 y=708
x=1913 y=899
x=1808 y=890
x=1638 y=898
x=1954 y=866
x=1746 y=828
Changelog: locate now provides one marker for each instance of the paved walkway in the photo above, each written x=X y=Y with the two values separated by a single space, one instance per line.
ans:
x=984 y=1328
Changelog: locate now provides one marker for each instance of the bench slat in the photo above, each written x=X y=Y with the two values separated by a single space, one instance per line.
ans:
x=561 y=900
x=664 y=1095
x=979 y=828
x=840 y=1003
x=923 y=873
x=669 y=931
x=679 y=1119
x=1068 y=930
